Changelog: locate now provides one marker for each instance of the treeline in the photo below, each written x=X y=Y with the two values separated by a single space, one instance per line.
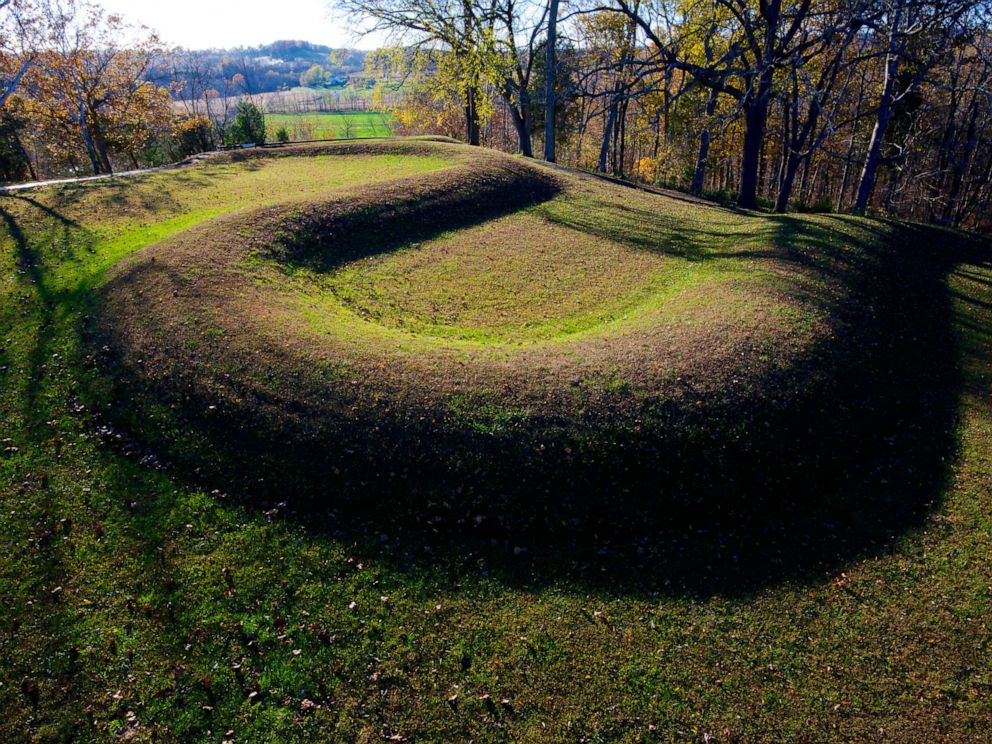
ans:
x=847 y=105
x=75 y=95
x=83 y=92
x=249 y=71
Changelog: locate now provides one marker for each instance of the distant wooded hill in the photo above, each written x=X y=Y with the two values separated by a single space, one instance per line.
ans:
x=251 y=70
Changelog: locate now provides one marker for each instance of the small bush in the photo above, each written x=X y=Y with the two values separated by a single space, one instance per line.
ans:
x=190 y=135
x=248 y=126
x=823 y=205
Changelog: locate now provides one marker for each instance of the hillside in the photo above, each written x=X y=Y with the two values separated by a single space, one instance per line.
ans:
x=406 y=440
x=253 y=70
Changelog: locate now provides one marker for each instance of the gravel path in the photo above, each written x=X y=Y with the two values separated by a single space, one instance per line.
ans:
x=121 y=174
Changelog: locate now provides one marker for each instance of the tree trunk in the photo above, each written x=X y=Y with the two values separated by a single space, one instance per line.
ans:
x=604 y=150
x=521 y=122
x=849 y=158
x=471 y=117
x=620 y=149
x=25 y=154
x=788 y=180
x=882 y=118
x=961 y=166
x=550 y=74
x=754 y=133
x=784 y=154
x=798 y=142
x=15 y=81
x=88 y=142
x=869 y=172
x=755 y=118
x=976 y=192
x=945 y=154
x=699 y=176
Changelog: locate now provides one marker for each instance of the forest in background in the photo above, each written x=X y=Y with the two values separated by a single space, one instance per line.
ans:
x=826 y=105
x=279 y=66
x=84 y=91
x=822 y=105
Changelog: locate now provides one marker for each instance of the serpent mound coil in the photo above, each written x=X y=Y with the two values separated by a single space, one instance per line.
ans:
x=471 y=328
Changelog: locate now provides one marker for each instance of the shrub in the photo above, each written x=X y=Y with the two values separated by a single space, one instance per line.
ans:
x=314 y=77
x=823 y=205
x=190 y=135
x=248 y=126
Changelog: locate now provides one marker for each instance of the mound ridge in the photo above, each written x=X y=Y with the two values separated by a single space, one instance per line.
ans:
x=240 y=348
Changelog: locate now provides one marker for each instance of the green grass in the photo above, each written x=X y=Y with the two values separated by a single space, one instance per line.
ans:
x=544 y=276
x=136 y=604
x=325 y=126
x=495 y=282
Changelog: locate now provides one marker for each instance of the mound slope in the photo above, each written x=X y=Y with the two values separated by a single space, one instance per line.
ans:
x=319 y=346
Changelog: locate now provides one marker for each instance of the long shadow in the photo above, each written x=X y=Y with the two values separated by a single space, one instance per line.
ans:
x=830 y=459
x=834 y=460
x=30 y=264
x=45 y=209
x=53 y=674
x=326 y=234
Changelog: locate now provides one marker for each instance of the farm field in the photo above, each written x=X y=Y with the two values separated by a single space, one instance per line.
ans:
x=408 y=441
x=339 y=125
x=298 y=100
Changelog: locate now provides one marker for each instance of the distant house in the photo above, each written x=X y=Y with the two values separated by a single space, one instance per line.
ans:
x=360 y=81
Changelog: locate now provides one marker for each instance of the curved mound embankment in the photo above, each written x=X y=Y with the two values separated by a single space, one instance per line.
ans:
x=474 y=328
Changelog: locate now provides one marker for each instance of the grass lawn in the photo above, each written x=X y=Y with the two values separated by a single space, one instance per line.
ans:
x=319 y=126
x=139 y=601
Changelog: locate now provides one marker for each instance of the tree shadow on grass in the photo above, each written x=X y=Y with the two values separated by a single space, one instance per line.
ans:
x=835 y=458
x=29 y=264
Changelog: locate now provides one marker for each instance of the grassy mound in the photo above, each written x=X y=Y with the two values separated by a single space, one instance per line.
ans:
x=845 y=593
x=496 y=328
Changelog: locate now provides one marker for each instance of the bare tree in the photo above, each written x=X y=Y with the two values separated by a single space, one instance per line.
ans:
x=550 y=81
x=519 y=26
x=913 y=31
x=448 y=27
x=756 y=45
x=22 y=32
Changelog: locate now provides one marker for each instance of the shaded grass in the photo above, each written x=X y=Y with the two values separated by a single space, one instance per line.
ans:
x=135 y=601
x=613 y=394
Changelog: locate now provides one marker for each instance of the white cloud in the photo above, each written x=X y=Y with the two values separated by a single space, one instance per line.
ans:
x=199 y=24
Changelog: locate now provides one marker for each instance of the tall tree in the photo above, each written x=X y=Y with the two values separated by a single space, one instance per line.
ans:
x=815 y=84
x=913 y=33
x=22 y=33
x=518 y=26
x=757 y=44
x=453 y=32
x=550 y=75
x=91 y=82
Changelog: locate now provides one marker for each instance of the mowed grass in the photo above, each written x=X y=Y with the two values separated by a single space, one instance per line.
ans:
x=516 y=278
x=330 y=125
x=541 y=275
x=139 y=605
